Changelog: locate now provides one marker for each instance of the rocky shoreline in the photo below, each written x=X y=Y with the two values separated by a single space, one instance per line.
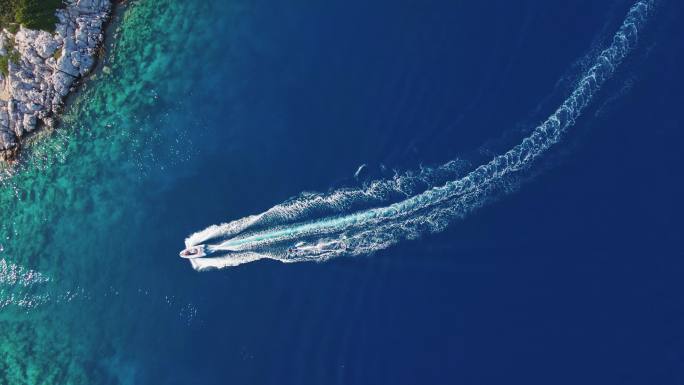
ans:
x=43 y=68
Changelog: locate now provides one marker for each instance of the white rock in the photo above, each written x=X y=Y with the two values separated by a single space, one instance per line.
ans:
x=29 y=122
x=46 y=45
x=36 y=86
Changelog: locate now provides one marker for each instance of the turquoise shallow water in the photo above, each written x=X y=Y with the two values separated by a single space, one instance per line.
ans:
x=216 y=110
x=73 y=211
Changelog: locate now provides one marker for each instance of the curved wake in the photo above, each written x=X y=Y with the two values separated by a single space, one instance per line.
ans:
x=283 y=232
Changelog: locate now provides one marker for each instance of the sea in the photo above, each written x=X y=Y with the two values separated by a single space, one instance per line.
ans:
x=205 y=112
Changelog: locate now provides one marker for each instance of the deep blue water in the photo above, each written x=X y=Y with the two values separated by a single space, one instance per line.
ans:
x=573 y=278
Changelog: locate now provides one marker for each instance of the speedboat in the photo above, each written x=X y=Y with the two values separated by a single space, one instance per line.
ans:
x=193 y=252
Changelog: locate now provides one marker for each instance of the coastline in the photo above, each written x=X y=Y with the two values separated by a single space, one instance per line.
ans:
x=109 y=31
x=40 y=119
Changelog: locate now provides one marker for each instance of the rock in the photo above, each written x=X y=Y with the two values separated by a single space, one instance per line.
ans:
x=7 y=139
x=47 y=68
x=7 y=142
x=29 y=122
x=4 y=116
x=46 y=45
x=61 y=83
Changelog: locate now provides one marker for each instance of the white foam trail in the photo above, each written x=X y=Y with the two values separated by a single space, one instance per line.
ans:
x=274 y=233
x=308 y=204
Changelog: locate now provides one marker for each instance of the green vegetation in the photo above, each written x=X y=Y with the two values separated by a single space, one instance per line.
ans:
x=12 y=56
x=4 y=65
x=34 y=14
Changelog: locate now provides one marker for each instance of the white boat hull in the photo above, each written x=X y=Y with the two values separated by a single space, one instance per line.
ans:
x=193 y=252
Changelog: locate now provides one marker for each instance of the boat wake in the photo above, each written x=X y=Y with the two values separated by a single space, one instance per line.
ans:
x=317 y=227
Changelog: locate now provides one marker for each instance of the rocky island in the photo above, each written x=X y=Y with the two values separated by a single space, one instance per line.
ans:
x=40 y=63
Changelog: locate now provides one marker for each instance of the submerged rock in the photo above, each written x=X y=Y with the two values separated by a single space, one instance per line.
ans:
x=42 y=68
